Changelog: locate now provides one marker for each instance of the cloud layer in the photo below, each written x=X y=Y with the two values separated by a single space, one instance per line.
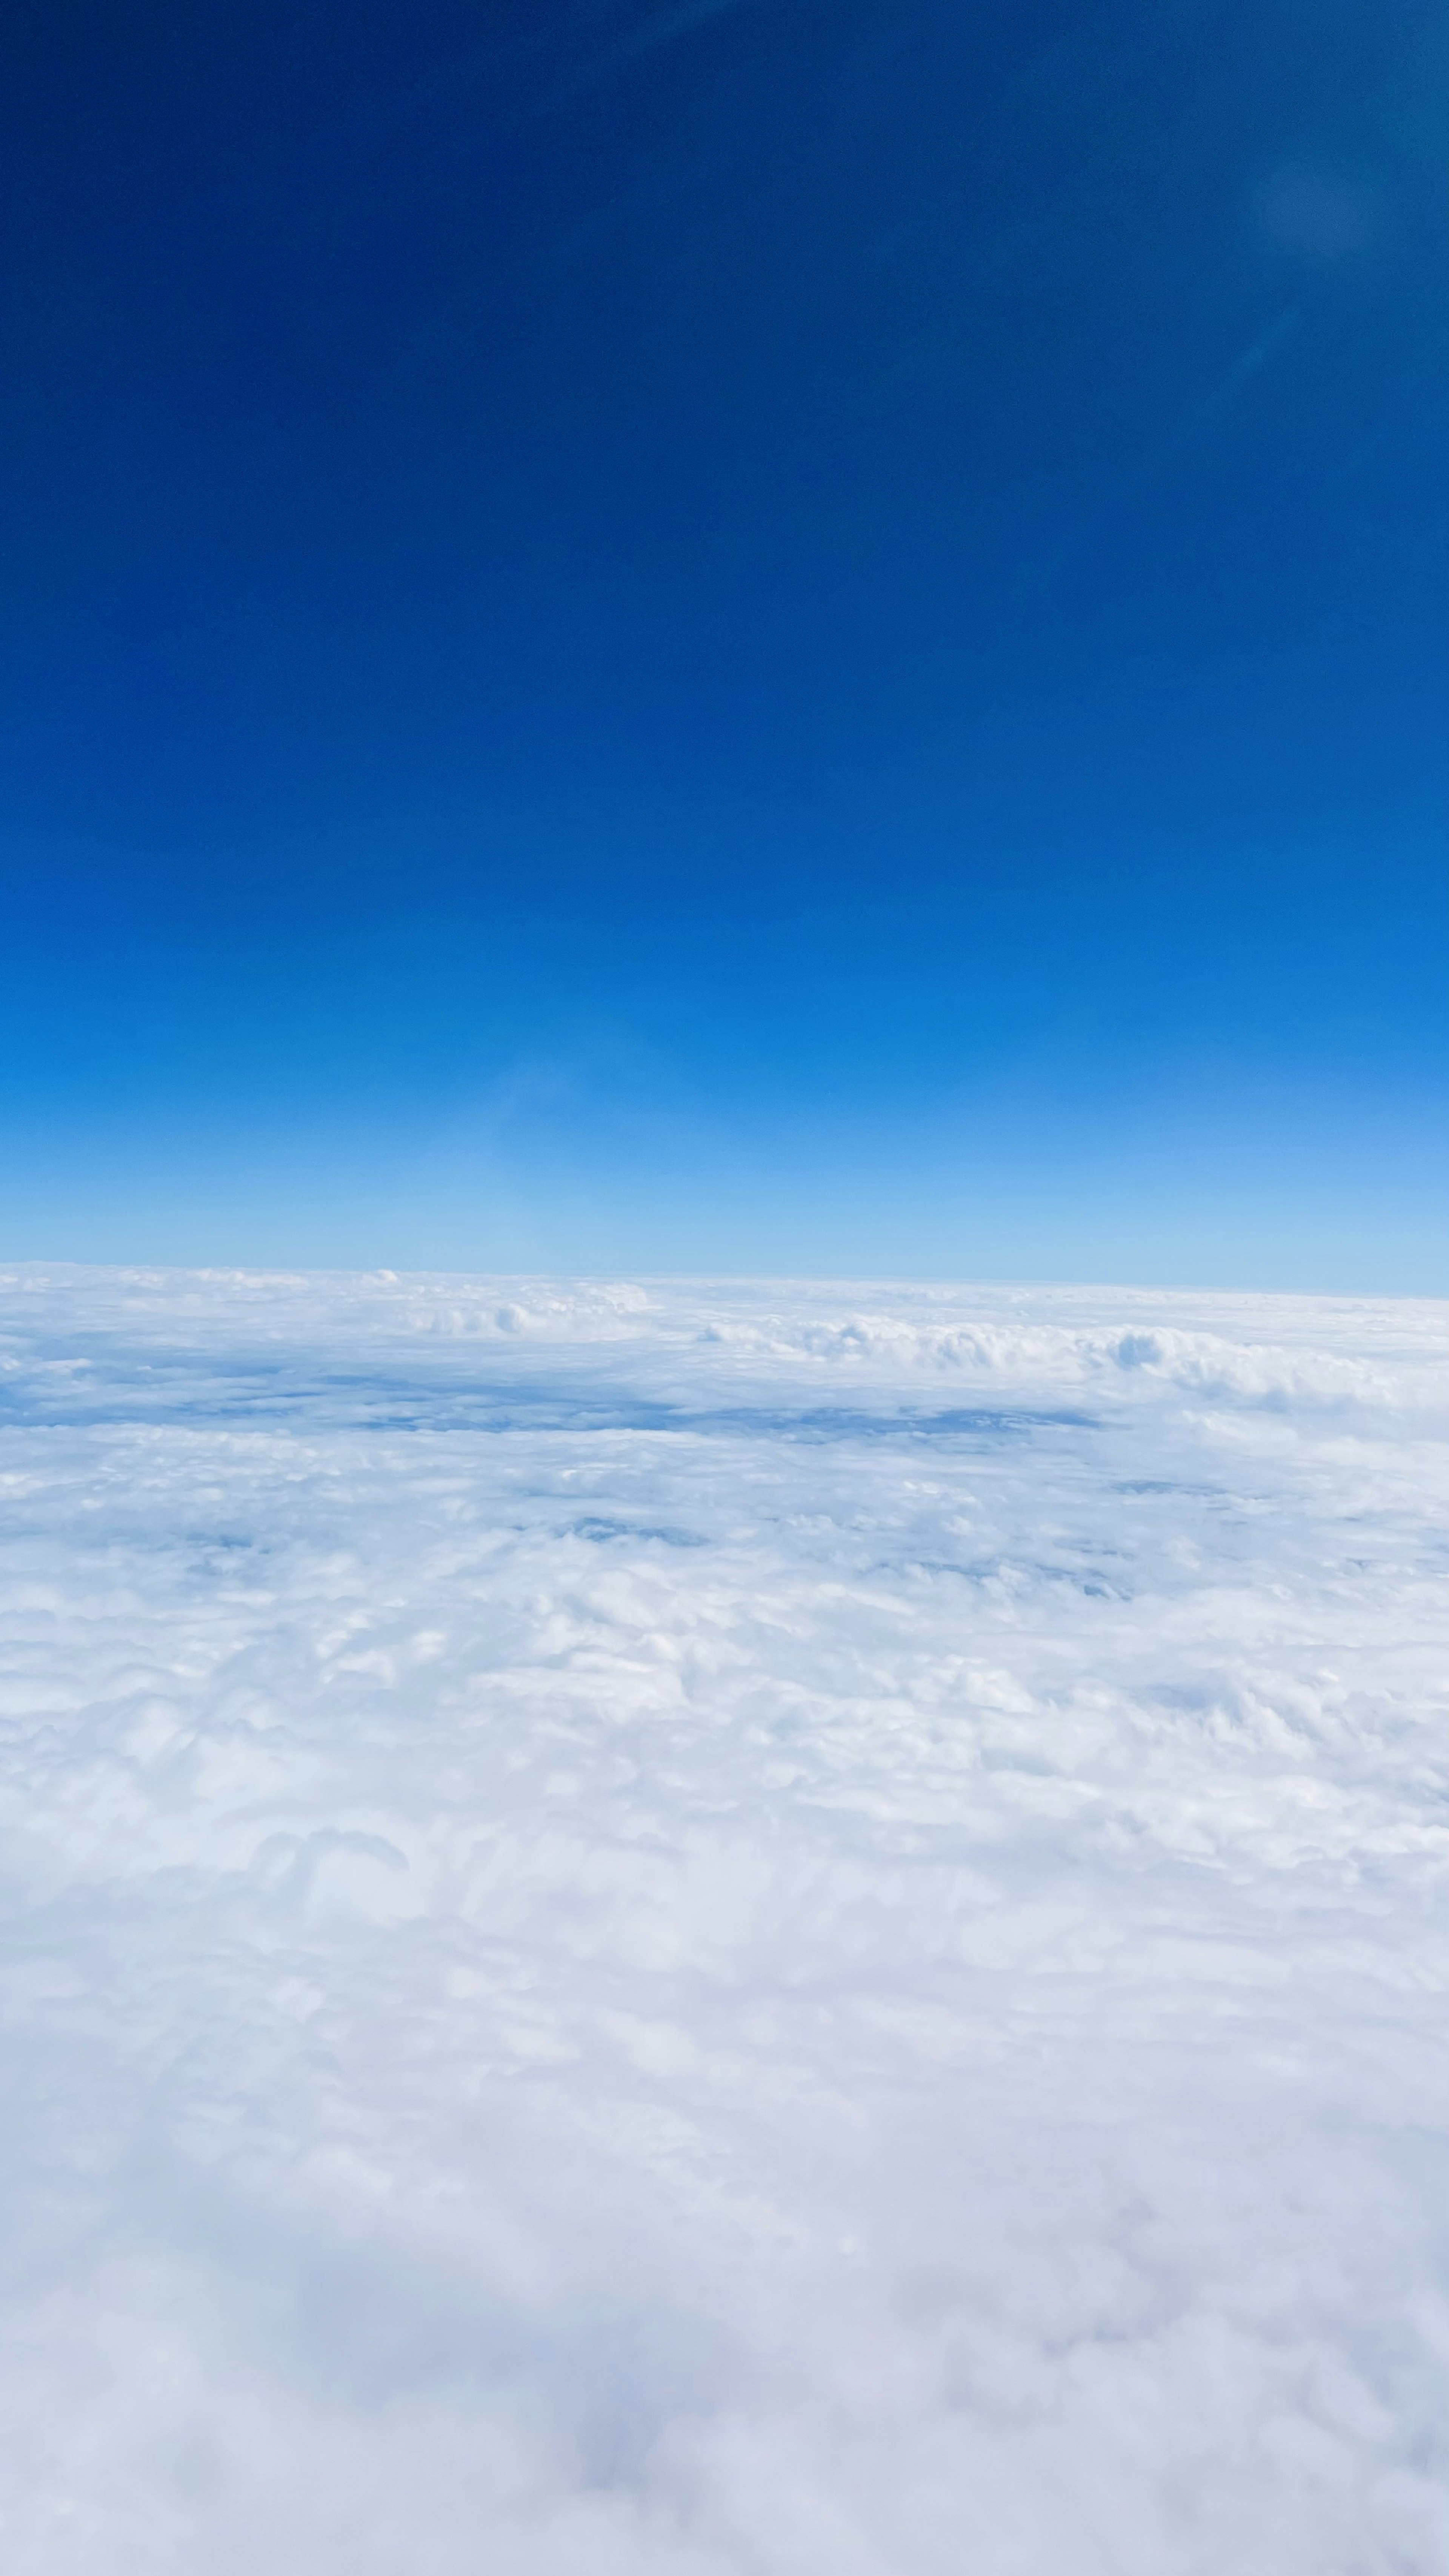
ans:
x=720 y=1931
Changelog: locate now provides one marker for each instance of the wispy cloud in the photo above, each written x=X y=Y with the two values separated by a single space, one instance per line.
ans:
x=1198 y=419
x=669 y=23
x=1207 y=409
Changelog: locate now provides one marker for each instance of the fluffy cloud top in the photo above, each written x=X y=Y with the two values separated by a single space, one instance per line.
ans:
x=720 y=1931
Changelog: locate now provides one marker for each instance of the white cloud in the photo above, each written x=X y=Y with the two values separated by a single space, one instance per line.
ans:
x=720 y=1931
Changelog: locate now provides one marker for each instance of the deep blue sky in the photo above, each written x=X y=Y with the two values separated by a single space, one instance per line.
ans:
x=757 y=634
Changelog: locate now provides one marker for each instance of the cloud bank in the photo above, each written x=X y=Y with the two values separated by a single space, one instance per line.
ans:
x=720 y=1930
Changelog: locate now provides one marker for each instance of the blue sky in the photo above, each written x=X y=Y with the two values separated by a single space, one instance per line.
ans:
x=770 y=636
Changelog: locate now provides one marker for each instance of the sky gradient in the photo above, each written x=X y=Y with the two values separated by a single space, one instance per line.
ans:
x=758 y=636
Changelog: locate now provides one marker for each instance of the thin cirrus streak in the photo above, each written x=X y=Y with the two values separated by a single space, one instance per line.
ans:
x=710 y=1929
